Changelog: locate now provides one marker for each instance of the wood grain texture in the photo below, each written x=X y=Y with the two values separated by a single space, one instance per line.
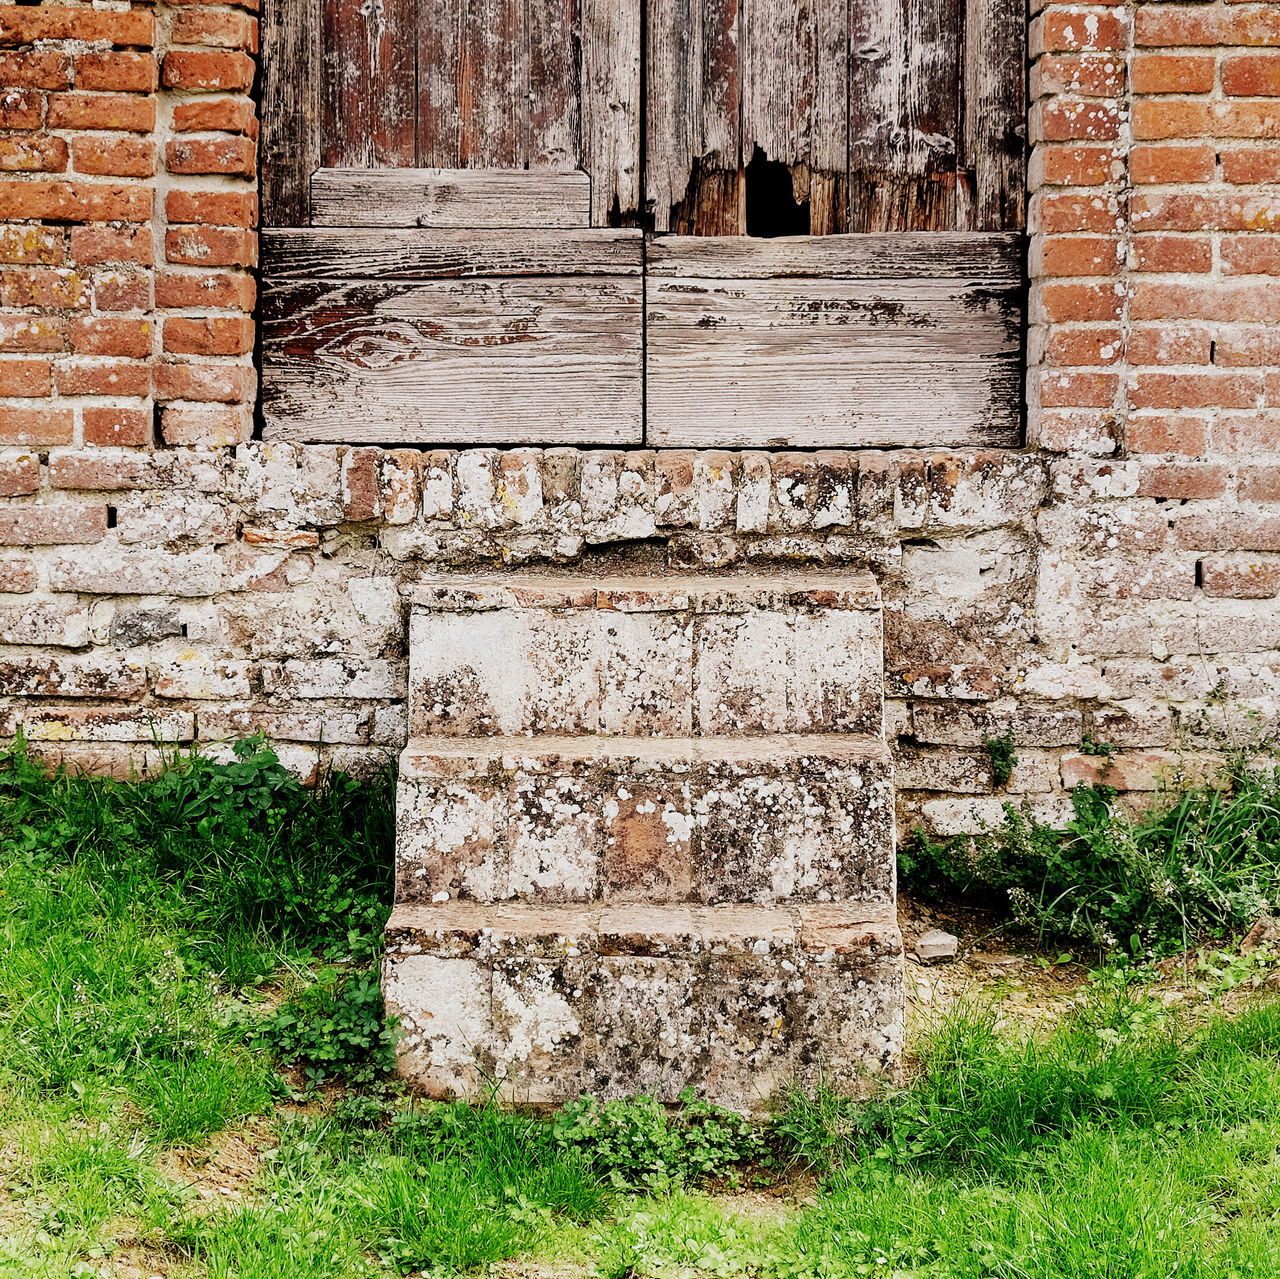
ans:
x=290 y=140
x=450 y=198
x=989 y=258
x=547 y=359
x=369 y=86
x=830 y=361
x=342 y=253
x=611 y=110
x=995 y=102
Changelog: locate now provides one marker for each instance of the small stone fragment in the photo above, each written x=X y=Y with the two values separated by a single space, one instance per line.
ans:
x=936 y=947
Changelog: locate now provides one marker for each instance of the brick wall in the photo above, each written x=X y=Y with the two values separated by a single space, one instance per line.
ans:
x=162 y=575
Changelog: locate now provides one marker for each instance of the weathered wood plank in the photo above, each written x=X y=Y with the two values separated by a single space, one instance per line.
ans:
x=369 y=84
x=450 y=198
x=342 y=253
x=552 y=124
x=903 y=353
x=611 y=111
x=995 y=112
x=440 y=39
x=992 y=258
x=547 y=360
x=290 y=145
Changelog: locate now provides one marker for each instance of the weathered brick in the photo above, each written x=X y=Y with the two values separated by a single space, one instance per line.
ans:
x=213 y=427
x=104 y=335
x=213 y=208
x=19 y=474
x=103 y=377
x=228 y=115
x=75 y=201
x=124 y=157
x=102 y=111
x=227 y=289
x=109 y=570
x=66 y=522
x=17 y=576
x=210 y=335
x=211 y=246
x=32 y=153
x=1240 y=578
x=96 y=245
x=220 y=383
x=25 y=377
x=207 y=71
x=222 y=29
x=233 y=154
x=33 y=427
x=35 y=70
x=27 y=24
x=117 y=426
x=116 y=72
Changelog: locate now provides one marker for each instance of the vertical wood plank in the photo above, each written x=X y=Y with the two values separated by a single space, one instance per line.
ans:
x=673 y=42
x=904 y=114
x=611 y=108
x=290 y=110
x=440 y=43
x=493 y=85
x=369 y=85
x=829 y=159
x=552 y=124
x=995 y=113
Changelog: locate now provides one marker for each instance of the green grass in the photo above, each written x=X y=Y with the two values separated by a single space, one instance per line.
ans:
x=189 y=959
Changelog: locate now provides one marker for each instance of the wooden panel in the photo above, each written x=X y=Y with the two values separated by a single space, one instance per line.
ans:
x=995 y=113
x=993 y=259
x=450 y=198
x=610 y=120
x=370 y=84
x=341 y=253
x=828 y=360
x=550 y=359
x=290 y=110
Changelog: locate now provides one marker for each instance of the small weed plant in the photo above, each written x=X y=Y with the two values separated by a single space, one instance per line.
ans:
x=1204 y=861
x=1002 y=757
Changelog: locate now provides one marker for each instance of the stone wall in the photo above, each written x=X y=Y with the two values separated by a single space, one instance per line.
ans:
x=165 y=576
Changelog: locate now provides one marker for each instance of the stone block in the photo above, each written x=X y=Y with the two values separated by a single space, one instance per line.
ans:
x=738 y=1002
x=586 y=819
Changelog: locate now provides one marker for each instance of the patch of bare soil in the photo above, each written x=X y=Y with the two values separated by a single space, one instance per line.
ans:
x=224 y=1169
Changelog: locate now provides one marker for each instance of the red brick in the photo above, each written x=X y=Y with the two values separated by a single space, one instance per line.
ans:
x=230 y=115
x=1183 y=118
x=1172 y=73
x=1062 y=120
x=122 y=290
x=1189 y=253
x=1086 y=390
x=1240 y=579
x=1079 y=255
x=1227 y=530
x=1251 y=75
x=95 y=245
x=104 y=377
x=1260 y=483
x=1076 y=430
x=1188 y=481
x=122 y=427
x=1235 y=301
x=1077 y=347
x=19 y=475
x=211 y=246
x=102 y=111
x=1058 y=32
x=220 y=383
x=102 y=335
x=225 y=289
x=21 y=109
x=25 y=377
x=1247 y=433
x=117 y=72
x=26 y=24
x=31 y=428
x=1089 y=74
x=213 y=335
x=34 y=70
x=74 y=201
x=1161 y=344
x=1255 y=164
x=1248 y=348
x=1067 y=302
x=47 y=287
x=1167 y=433
x=17 y=577
x=33 y=245
x=212 y=72
x=213 y=208
x=212 y=427
x=123 y=157
x=1149 y=164
x=1133 y=771
x=1066 y=166
x=1209 y=389
x=1251 y=254
x=1171 y=25
x=233 y=154
x=223 y=30
x=1157 y=211
x=32 y=153
x=32 y=333
x=1056 y=213
x=66 y=523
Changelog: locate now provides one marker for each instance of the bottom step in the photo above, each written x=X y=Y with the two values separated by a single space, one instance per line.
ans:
x=739 y=1002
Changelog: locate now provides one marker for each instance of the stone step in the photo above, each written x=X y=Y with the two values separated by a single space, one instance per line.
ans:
x=549 y=1002
x=670 y=654
x=712 y=820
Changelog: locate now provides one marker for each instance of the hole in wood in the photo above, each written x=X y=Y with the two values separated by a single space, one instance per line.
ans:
x=772 y=208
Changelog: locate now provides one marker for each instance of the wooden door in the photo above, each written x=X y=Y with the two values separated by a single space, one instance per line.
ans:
x=823 y=247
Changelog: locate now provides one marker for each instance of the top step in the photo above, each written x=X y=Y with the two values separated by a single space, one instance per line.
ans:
x=663 y=655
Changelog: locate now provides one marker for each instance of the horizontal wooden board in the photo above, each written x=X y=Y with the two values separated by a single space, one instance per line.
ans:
x=346 y=253
x=831 y=362
x=992 y=257
x=550 y=359
x=450 y=198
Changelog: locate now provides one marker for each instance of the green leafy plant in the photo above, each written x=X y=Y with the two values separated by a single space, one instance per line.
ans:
x=1002 y=757
x=1089 y=745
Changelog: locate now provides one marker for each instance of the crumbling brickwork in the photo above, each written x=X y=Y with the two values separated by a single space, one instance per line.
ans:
x=166 y=577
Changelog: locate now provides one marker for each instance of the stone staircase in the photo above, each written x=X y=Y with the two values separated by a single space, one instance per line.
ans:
x=645 y=837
